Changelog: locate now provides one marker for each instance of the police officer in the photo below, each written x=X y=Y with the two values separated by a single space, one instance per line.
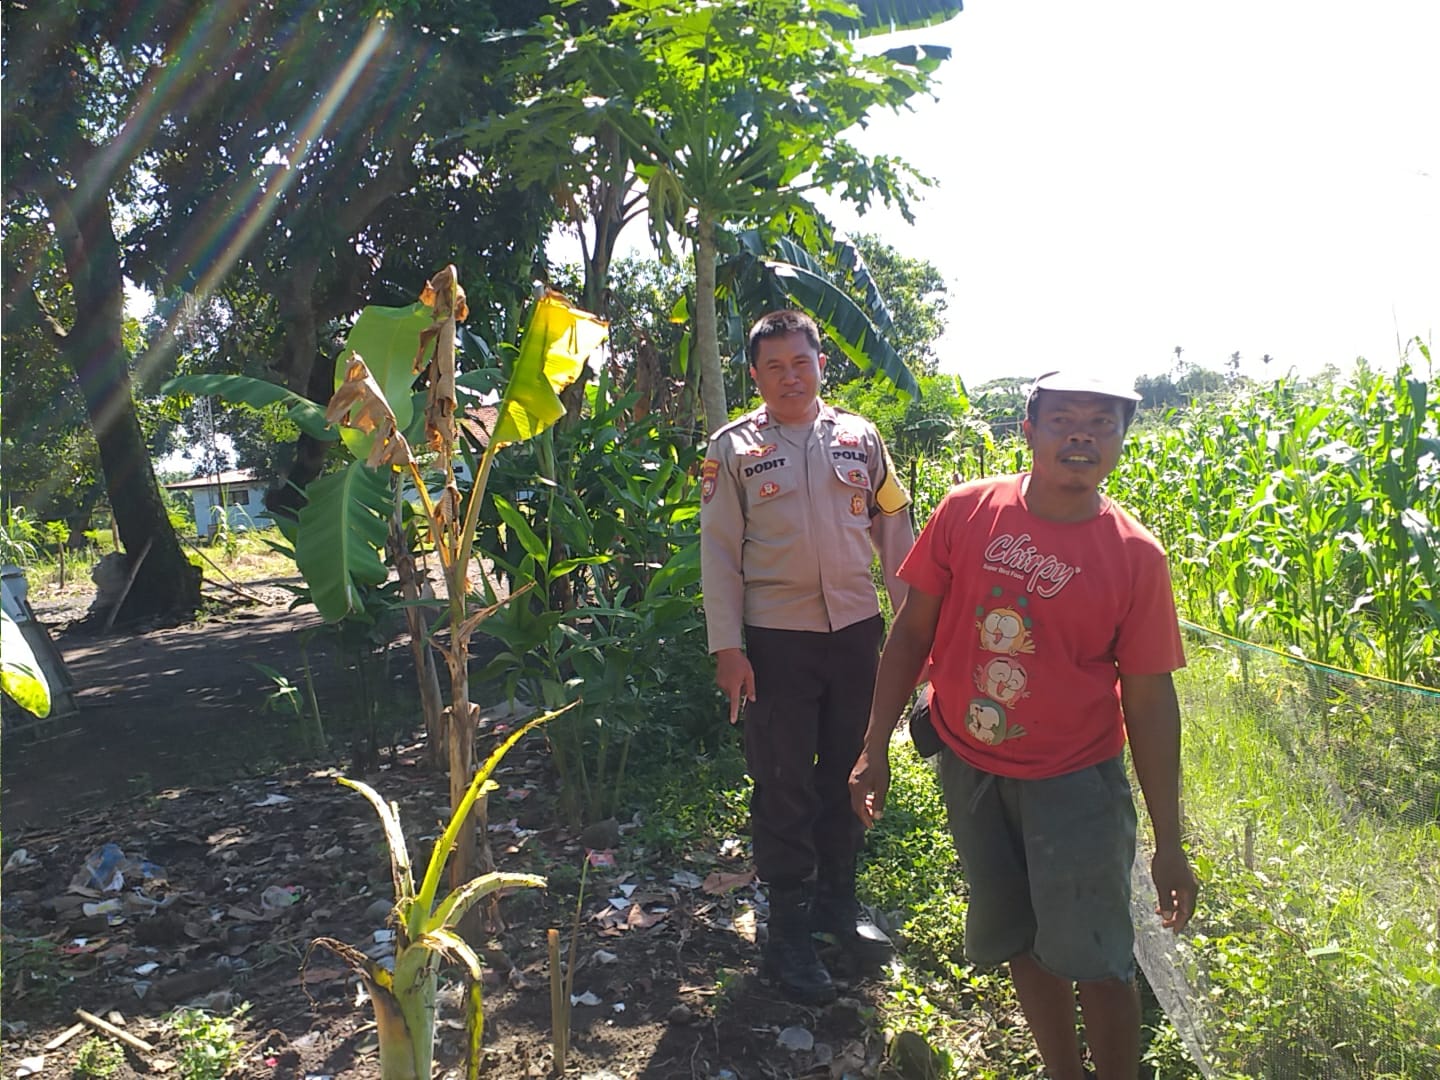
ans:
x=794 y=496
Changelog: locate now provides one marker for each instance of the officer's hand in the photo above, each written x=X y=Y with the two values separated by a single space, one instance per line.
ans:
x=735 y=676
x=869 y=783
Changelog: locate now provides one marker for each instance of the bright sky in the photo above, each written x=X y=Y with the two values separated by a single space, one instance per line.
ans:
x=1118 y=178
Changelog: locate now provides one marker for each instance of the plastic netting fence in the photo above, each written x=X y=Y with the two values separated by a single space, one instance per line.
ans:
x=1312 y=803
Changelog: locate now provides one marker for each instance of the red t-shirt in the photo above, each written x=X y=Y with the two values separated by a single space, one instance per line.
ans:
x=1037 y=620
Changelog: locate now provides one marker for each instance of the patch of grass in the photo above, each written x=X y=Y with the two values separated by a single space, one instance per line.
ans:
x=1315 y=935
x=34 y=970
x=692 y=802
x=99 y=1058
x=208 y=1045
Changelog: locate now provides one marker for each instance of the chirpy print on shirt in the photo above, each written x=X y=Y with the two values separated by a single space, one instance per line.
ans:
x=987 y=722
x=1003 y=679
x=1004 y=630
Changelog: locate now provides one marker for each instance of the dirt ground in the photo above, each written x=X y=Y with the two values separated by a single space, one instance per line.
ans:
x=235 y=862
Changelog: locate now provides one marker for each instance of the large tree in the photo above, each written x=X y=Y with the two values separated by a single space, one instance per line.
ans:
x=348 y=187
x=83 y=98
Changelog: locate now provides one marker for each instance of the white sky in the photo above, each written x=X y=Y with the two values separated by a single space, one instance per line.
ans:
x=1118 y=178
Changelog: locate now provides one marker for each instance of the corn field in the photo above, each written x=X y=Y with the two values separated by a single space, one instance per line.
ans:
x=1301 y=515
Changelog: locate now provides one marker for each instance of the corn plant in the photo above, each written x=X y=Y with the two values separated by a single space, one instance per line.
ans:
x=426 y=932
x=1304 y=515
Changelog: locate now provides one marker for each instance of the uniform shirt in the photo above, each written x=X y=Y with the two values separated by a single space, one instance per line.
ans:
x=788 y=518
x=1038 y=619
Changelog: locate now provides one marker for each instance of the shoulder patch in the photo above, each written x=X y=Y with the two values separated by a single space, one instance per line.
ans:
x=890 y=497
x=708 y=474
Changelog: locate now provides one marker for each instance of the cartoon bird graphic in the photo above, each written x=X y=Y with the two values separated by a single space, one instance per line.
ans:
x=1003 y=631
x=1002 y=679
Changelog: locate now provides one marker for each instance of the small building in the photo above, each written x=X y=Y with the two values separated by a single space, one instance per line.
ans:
x=240 y=491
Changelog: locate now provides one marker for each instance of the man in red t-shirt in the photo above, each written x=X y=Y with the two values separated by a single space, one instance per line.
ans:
x=1046 y=615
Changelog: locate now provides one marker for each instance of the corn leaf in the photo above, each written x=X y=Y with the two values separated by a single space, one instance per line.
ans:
x=394 y=838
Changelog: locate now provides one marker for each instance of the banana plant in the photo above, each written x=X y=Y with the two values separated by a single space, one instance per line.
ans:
x=341 y=531
x=426 y=933
x=20 y=674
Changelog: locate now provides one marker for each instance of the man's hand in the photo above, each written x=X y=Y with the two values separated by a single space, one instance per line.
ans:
x=869 y=783
x=735 y=676
x=1175 y=885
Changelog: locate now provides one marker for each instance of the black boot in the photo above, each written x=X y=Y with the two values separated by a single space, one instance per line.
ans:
x=789 y=960
x=839 y=921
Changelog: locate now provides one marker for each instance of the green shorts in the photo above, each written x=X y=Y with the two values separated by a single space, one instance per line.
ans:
x=1048 y=865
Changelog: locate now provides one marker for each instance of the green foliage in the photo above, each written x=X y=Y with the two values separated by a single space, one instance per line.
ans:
x=1305 y=516
x=34 y=970
x=340 y=537
x=833 y=286
x=621 y=620
x=98 y=1057
x=1315 y=939
x=20 y=537
x=257 y=394
x=208 y=1046
x=403 y=993
x=20 y=673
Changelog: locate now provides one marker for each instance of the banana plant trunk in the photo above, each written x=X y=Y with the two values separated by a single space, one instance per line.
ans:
x=427 y=678
x=707 y=341
x=405 y=1022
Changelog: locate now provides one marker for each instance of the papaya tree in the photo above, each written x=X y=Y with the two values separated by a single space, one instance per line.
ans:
x=719 y=114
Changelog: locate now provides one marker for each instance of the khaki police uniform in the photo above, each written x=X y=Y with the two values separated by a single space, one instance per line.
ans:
x=790 y=518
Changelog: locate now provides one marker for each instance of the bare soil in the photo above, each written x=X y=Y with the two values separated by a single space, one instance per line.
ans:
x=172 y=760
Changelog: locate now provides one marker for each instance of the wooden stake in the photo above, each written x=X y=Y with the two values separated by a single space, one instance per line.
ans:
x=129 y=581
x=114 y=1032
x=64 y=1036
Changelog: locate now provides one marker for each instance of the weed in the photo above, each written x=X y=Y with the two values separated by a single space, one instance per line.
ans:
x=209 y=1047
x=98 y=1057
x=33 y=969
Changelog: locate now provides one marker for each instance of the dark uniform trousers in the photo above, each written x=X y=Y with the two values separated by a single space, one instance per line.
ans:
x=802 y=735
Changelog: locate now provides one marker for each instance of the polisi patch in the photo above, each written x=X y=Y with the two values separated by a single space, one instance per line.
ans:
x=765 y=466
x=850 y=455
x=768 y=489
x=708 y=472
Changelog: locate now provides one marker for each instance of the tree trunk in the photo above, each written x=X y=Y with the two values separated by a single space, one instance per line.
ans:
x=166 y=584
x=706 y=350
x=300 y=372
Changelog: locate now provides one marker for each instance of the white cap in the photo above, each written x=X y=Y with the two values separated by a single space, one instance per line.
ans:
x=1078 y=383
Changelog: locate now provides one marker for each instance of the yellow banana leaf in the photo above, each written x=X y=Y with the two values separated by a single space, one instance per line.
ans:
x=557 y=341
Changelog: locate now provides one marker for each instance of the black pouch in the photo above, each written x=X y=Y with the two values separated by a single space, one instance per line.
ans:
x=922 y=727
